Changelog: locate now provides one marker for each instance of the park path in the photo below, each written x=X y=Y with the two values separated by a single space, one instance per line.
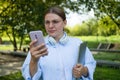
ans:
x=10 y=64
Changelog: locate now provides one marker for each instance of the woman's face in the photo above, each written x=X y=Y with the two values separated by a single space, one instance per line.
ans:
x=54 y=25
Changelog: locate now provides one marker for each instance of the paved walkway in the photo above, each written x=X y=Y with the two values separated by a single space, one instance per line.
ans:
x=9 y=64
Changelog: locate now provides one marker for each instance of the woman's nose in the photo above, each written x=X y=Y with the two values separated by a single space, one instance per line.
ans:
x=51 y=25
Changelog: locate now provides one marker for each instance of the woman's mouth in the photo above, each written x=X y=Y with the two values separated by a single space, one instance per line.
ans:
x=51 y=31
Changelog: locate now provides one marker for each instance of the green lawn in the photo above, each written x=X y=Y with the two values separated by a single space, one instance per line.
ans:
x=107 y=56
x=110 y=39
x=101 y=73
x=16 y=76
x=92 y=41
x=105 y=73
x=6 y=47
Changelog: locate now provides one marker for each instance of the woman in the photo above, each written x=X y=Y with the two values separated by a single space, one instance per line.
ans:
x=56 y=59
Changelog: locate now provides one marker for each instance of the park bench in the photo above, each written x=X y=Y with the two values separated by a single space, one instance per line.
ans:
x=111 y=64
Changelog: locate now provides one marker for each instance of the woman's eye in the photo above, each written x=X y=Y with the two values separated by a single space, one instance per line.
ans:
x=55 y=22
x=47 y=22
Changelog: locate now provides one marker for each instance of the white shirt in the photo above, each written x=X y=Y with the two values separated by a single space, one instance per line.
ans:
x=59 y=62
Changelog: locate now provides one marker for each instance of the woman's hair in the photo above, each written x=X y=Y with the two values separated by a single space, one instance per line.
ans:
x=57 y=10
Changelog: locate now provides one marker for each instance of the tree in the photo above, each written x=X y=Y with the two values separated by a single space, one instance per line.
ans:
x=109 y=8
x=101 y=8
x=104 y=8
x=107 y=27
x=18 y=17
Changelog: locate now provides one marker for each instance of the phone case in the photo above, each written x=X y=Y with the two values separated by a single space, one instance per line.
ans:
x=37 y=35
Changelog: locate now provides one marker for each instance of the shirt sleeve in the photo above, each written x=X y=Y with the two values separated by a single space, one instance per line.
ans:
x=90 y=63
x=25 y=70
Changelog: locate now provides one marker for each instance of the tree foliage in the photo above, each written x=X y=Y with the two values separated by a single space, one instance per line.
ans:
x=18 y=17
x=87 y=28
x=101 y=8
x=103 y=27
x=107 y=27
x=109 y=8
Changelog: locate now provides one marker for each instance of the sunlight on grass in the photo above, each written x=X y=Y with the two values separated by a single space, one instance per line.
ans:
x=93 y=41
x=112 y=39
x=6 y=47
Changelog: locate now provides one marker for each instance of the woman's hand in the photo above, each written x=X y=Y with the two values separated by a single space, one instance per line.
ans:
x=37 y=51
x=79 y=70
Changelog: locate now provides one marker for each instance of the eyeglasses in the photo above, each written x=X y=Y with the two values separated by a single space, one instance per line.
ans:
x=54 y=22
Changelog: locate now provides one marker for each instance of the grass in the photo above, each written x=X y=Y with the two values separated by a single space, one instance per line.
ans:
x=15 y=76
x=6 y=47
x=107 y=56
x=92 y=41
x=105 y=73
x=104 y=39
x=101 y=73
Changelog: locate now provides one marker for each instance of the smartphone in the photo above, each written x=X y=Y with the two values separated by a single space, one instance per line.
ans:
x=37 y=35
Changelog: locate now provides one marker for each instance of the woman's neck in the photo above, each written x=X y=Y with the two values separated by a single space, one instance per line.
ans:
x=57 y=38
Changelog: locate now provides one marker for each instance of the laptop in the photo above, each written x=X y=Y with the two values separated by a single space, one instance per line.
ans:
x=82 y=51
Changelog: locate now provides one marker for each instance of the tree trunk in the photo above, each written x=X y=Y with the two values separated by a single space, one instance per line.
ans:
x=21 y=42
x=14 y=40
x=0 y=40
x=15 y=44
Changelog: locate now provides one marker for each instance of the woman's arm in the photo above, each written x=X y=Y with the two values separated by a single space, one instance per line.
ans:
x=86 y=67
x=33 y=68
x=30 y=68
x=36 y=53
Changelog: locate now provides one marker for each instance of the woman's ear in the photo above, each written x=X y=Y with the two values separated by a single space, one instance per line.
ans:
x=65 y=22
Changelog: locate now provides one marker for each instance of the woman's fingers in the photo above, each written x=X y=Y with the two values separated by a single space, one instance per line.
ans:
x=77 y=70
x=37 y=51
x=32 y=43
